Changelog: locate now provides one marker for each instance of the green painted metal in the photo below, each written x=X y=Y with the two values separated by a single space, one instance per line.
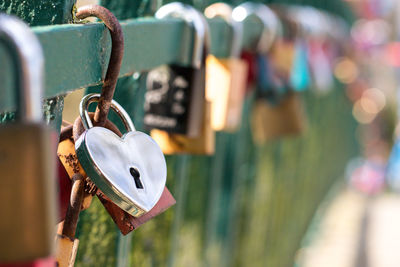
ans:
x=77 y=55
x=36 y=12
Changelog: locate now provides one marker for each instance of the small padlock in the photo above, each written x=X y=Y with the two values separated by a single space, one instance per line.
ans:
x=251 y=62
x=66 y=243
x=275 y=67
x=320 y=65
x=201 y=141
x=68 y=166
x=300 y=74
x=277 y=111
x=271 y=83
x=291 y=52
x=181 y=144
x=27 y=187
x=272 y=121
x=261 y=69
x=313 y=25
x=226 y=77
x=226 y=87
x=175 y=95
x=131 y=171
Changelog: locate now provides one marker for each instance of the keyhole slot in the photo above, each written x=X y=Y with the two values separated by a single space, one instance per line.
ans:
x=136 y=176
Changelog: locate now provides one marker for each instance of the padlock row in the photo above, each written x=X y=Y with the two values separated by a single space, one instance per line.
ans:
x=183 y=108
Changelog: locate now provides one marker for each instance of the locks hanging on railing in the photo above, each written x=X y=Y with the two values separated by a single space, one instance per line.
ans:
x=27 y=191
x=317 y=41
x=259 y=66
x=289 y=54
x=175 y=107
x=131 y=171
x=271 y=70
x=226 y=77
x=277 y=110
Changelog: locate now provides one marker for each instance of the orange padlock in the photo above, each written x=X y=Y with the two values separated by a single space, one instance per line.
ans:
x=226 y=77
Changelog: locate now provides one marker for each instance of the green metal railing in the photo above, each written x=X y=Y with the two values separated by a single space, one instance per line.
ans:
x=247 y=205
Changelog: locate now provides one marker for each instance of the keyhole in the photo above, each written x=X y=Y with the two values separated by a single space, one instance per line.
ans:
x=136 y=176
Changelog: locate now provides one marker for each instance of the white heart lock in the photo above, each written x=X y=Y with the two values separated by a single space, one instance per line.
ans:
x=130 y=170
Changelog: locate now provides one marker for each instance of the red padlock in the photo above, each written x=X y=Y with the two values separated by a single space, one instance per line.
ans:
x=46 y=262
x=64 y=190
x=250 y=58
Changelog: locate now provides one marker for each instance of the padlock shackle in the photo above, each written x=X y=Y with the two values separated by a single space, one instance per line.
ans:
x=87 y=122
x=312 y=22
x=114 y=64
x=272 y=26
x=29 y=63
x=224 y=11
x=201 y=44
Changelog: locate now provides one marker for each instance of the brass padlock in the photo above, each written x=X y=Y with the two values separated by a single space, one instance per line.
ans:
x=271 y=121
x=203 y=142
x=226 y=77
x=27 y=188
x=225 y=88
x=282 y=57
x=67 y=249
x=68 y=158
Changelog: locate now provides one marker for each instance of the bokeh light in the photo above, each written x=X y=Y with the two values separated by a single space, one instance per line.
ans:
x=346 y=70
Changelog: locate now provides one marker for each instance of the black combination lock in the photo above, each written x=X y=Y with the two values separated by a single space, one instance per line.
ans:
x=174 y=99
x=175 y=96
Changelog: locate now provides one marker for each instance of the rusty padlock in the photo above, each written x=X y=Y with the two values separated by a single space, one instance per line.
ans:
x=226 y=77
x=204 y=141
x=66 y=243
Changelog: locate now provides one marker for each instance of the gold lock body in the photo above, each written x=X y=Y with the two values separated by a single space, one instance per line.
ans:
x=282 y=57
x=67 y=249
x=274 y=121
x=27 y=192
x=180 y=144
x=225 y=88
x=68 y=158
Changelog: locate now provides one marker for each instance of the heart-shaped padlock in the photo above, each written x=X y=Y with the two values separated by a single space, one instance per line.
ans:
x=130 y=170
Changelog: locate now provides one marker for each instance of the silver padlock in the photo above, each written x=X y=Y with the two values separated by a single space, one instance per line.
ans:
x=130 y=170
x=272 y=26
